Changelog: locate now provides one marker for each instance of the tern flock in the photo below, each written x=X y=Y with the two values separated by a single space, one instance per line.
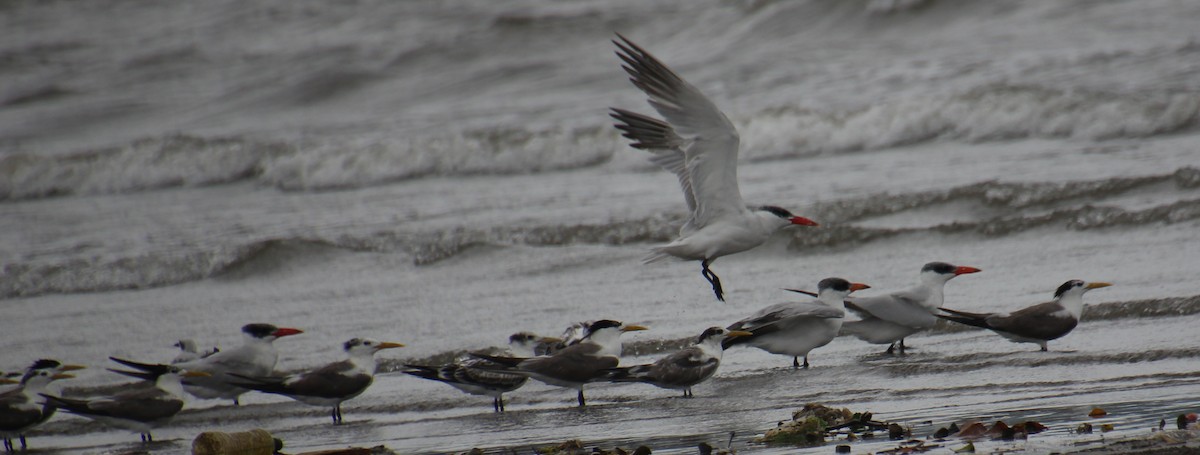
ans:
x=697 y=143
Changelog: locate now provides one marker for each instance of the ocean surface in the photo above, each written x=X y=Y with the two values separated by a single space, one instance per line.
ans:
x=443 y=173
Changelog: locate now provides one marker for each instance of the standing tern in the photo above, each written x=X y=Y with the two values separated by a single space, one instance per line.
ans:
x=699 y=145
x=889 y=318
x=469 y=377
x=20 y=408
x=685 y=368
x=795 y=328
x=329 y=385
x=139 y=410
x=1036 y=324
x=575 y=365
x=255 y=357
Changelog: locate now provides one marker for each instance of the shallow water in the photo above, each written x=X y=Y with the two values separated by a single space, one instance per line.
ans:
x=443 y=174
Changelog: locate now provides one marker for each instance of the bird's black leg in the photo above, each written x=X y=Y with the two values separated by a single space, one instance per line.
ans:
x=581 y=401
x=8 y=447
x=236 y=402
x=23 y=446
x=891 y=350
x=902 y=346
x=805 y=366
x=713 y=280
x=795 y=362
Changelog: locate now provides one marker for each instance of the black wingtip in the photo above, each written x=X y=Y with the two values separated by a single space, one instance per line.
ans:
x=143 y=375
x=155 y=368
x=801 y=291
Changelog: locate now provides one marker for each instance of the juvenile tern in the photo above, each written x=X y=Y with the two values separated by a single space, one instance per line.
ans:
x=255 y=357
x=189 y=352
x=889 y=318
x=329 y=385
x=139 y=410
x=699 y=145
x=682 y=369
x=575 y=365
x=1036 y=324
x=795 y=328
x=468 y=377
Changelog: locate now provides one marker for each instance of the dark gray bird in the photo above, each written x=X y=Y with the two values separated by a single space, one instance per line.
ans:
x=699 y=145
x=20 y=407
x=575 y=365
x=469 y=377
x=795 y=328
x=685 y=368
x=139 y=410
x=329 y=385
x=1036 y=324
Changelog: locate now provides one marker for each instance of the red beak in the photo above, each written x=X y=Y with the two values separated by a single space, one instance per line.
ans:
x=858 y=287
x=802 y=221
x=285 y=331
x=965 y=270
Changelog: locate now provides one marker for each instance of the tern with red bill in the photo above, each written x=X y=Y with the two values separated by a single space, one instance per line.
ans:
x=329 y=385
x=1036 y=324
x=255 y=357
x=575 y=365
x=699 y=145
x=795 y=328
x=889 y=318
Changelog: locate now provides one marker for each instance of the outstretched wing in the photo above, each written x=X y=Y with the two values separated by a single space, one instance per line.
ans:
x=709 y=139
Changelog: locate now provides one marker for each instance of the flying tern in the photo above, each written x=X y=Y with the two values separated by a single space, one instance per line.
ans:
x=699 y=145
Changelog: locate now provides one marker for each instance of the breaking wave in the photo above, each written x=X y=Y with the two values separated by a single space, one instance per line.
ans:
x=1011 y=208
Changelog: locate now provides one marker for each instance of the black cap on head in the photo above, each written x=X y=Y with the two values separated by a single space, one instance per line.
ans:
x=709 y=333
x=259 y=330
x=521 y=337
x=1067 y=287
x=834 y=283
x=43 y=364
x=602 y=324
x=777 y=211
x=940 y=268
x=348 y=345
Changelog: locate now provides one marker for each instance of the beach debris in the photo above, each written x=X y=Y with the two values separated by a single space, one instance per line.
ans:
x=709 y=449
x=1107 y=427
x=1183 y=420
x=1084 y=428
x=253 y=442
x=969 y=448
x=1097 y=412
x=575 y=447
x=998 y=430
x=842 y=448
x=897 y=432
x=810 y=425
x=911 y=446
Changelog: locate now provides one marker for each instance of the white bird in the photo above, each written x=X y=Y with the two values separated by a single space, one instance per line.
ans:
x=20 y=407
x=700 y=146
x=575 y=365
x=329 y=385
x=1036 y=324
x=189 y=352
x=139 y=410
x=255 y=357
x=469 y=377
x=889 y=318
x=795 y=328
x=685 y=368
